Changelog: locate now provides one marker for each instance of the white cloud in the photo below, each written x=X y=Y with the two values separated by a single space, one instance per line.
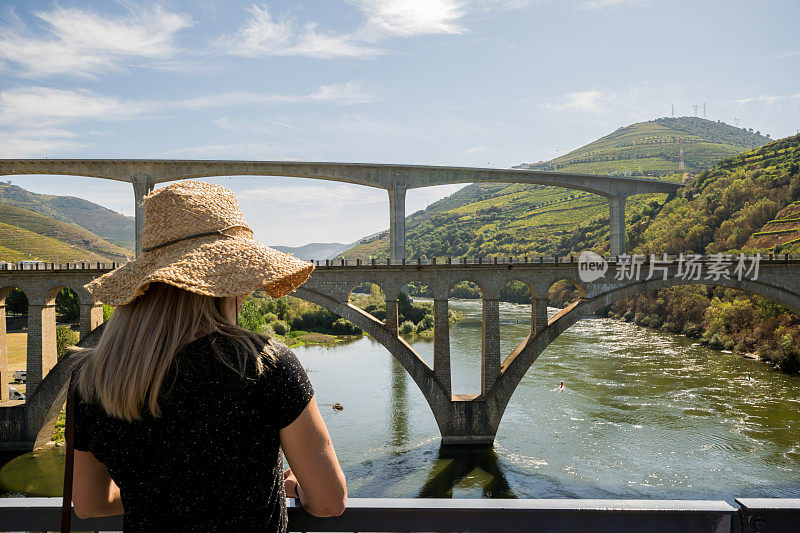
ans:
x=589 y=101
x=84 y=43
x=765 y=99
x=36 y=142
x=602 y=4
x=411 y=17
x=263 y=36
x=44 y=106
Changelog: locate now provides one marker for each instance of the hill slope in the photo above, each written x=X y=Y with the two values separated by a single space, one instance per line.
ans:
x=653 y=148
x=491 y=219
x=105 y=223
x=78 y=242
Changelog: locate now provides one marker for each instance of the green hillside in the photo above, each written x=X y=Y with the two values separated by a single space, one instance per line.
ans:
x=105 y=223
x=491 y=219
x=17 y=244
x=653 y=148
x=748 y=203
x=72 y=235
x=745 y=203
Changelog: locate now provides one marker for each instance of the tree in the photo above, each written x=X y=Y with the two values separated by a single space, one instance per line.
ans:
x=65 y=338
x=68 y=305
x=250 y=317
x=16 y=302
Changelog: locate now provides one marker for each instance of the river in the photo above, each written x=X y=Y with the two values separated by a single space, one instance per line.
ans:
x=643 y=414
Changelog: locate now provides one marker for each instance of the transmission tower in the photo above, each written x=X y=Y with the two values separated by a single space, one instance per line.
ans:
x=695 y=109
x=704 y=110
x=673 y=110
x=737 y=122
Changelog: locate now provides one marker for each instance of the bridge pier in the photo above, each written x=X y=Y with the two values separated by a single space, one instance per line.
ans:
x=467 y=421
x=539 y=318
x=392 y=315
x=397 y=222
x=617 y=221
x=141 y=188
x=42 y=350
x=441 y=343
x=490 y=353
x=91 y=317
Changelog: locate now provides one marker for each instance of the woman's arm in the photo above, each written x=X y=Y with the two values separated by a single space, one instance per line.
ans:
x=312 y=459
x=94 y=493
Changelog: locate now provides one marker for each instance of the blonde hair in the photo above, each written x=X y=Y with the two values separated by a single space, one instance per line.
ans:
x=126 y=371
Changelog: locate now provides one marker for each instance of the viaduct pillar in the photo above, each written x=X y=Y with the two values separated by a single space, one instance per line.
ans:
x=397 y=222
x=490 y=356
x=539 y=321
x=392 y=315
x=91 y=317
x=141 y=188
x=617 y=220
x=4 y=374
x=441 y=343
x=42 y=351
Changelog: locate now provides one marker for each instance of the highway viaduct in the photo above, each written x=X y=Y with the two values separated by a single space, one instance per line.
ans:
x=144 y=174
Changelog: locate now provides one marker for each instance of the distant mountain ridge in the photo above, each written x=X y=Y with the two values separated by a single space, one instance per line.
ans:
x=315 y=250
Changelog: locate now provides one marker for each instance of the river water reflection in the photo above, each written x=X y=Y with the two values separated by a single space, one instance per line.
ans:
x=643 y=414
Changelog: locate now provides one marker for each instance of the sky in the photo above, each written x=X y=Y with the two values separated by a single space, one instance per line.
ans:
x=483 y=83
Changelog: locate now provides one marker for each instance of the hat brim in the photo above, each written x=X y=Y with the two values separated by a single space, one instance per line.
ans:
x=210 y=265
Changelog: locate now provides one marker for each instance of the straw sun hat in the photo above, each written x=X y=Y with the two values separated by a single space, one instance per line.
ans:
x=195 y=237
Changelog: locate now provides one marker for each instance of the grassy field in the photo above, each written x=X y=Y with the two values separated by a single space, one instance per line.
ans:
x=17 y=345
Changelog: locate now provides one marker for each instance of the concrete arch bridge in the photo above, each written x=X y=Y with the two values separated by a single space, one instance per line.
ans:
x=144 y=174
x=462 y=419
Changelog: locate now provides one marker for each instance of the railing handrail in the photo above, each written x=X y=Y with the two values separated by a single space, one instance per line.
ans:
x=410 y=514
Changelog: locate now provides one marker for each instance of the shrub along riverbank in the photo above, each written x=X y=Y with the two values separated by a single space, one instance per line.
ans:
x=297 y=322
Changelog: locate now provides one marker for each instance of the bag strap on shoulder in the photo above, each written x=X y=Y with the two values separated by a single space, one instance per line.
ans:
x=69 y=466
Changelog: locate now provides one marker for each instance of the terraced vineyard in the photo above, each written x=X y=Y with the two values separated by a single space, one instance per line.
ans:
x=27 y=234
x=653 y=148
x=516 y=219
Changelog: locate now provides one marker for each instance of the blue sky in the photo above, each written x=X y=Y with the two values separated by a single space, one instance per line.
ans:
x=458 y=82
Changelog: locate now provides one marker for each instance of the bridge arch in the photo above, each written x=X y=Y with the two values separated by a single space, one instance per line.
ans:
x=420 y=372
x=518 y=363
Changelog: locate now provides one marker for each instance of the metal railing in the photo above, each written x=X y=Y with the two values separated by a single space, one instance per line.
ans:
x=541 y=515
x=524 y=260
x=447 y=261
